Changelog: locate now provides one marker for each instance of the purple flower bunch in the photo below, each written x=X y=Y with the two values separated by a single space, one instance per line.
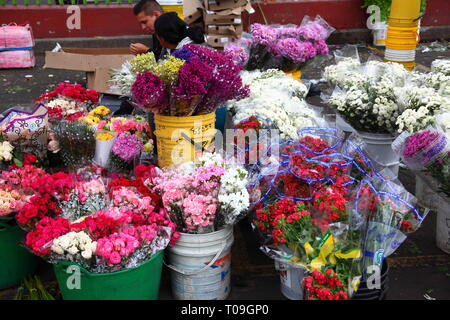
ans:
x=127 y=146
x=193 y=79
x=288 y=32
x=263 y=34
x=321 y=47
x=417 y=142
x=183 y=54
x=226 y=83
x=313 y=31
x=294 y=49
x=237 y=53
x=150 y=92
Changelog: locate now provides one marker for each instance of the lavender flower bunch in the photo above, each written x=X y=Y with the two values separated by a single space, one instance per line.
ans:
x=237 y=53
x=150 y=93
x=226 y=83
x=125 y=150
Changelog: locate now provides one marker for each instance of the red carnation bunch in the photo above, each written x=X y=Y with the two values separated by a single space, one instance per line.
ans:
x=324 y=286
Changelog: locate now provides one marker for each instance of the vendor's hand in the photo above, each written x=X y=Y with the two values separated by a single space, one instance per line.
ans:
x=137 y=48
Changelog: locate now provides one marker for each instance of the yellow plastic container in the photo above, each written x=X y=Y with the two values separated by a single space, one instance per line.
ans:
x=179 y=138
x=410 y=65
x=178 y=8
x=399 y=38
x=296 y=74
x=405 y=9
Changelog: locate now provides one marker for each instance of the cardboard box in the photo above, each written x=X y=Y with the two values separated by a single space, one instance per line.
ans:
x=214 y=19
x=231 y=30
x=217 y=5
x=190 y=7
x=96 y=62
x=194 y=17
x=219 y=41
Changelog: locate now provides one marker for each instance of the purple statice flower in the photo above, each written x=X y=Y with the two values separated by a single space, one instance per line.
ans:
x=313 y=31
x=193 y=79
x=263 y=34
x=418 y=141
x=183 y=54
x=321 y=47
x=226 y=83
x=237 y=53
x=127 y=146
x=150 y=92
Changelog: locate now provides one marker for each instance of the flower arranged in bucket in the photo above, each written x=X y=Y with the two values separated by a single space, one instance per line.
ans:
x=195 y=81
x=79 y=219
x=67 y=100
x=205 y=196
x=285 y=48
x=315 y=213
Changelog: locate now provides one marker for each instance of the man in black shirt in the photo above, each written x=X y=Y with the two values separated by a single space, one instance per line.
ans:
x=146 y=12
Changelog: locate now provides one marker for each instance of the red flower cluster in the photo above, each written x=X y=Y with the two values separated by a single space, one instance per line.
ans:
x=48 y=229
x=291 y=186
x=55 y=113
x=324 y=286
x=29 y=159
x=317 y=145
x=38 y=207
x=406 y=226
x=250 y=123
x=330 y=203
x=75 y=116
x=72 y=91
x=275 y=217
x=305 y=169
x=24 y=178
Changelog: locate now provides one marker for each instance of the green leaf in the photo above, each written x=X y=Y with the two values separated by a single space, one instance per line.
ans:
x=18 y=163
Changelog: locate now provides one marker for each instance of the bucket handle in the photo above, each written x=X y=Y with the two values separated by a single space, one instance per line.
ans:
x=190 y=273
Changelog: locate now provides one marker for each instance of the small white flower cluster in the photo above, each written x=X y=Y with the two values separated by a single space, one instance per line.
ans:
x=6 y=151
x=343 y=73
x=233 y=194
x=74 y=246
x=390 y=99
x=277 y=100
x=415 y=120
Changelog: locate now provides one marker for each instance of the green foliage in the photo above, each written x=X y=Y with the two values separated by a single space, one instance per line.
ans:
x=385 y=7
x=33 y=289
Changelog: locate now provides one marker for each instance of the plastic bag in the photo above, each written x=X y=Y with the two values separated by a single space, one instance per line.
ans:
x=317 y=29
x=16 y=47
x=26 y=129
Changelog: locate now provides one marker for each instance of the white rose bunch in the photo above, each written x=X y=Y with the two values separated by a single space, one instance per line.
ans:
x=414 y=120
x=6 y=151
x=74 y=246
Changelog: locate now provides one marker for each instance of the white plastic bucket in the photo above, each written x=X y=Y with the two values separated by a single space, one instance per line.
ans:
x=379 y=149
x=102 y=152
x=443 y=225
x=400 y=55
x=200 y=265
x=291 y=281
x=380 y=34
x=426 y=196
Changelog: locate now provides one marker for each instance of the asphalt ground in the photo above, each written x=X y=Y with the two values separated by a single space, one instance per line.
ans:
x=419 y=270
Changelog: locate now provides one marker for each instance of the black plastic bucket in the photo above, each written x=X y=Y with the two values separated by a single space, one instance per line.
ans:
x=365 y=293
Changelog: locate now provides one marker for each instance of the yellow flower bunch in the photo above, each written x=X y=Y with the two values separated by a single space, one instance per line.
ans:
x=90 y=119
x=143 y=62
x=104 y=136
x=169 y=69
x=100 y=110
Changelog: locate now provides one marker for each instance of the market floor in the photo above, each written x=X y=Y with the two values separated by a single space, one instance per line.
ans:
x=418 y=270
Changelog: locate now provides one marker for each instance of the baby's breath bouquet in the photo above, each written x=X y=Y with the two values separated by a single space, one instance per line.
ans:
x=77 y=143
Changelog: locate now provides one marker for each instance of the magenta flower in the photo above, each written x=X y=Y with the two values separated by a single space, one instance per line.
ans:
x=150 y=92
x=417 y=142
x=127 y=146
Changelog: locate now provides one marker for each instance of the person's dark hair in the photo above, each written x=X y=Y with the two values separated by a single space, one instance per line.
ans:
x=147 y=6
x=170 y=27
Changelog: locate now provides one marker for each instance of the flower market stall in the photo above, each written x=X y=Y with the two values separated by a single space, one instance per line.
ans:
x=110 y=201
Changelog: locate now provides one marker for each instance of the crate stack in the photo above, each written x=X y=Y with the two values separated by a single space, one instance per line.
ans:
x=221 y=20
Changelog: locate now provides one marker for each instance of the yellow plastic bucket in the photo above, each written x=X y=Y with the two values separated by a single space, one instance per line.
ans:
x=410 y=65
x=178 y=8
x=296 y=74
x=179 y=138
x=405 y=9
x=402 y=38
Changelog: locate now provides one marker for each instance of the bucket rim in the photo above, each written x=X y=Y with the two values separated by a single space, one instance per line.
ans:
x=190 y=118
x=63 y=264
